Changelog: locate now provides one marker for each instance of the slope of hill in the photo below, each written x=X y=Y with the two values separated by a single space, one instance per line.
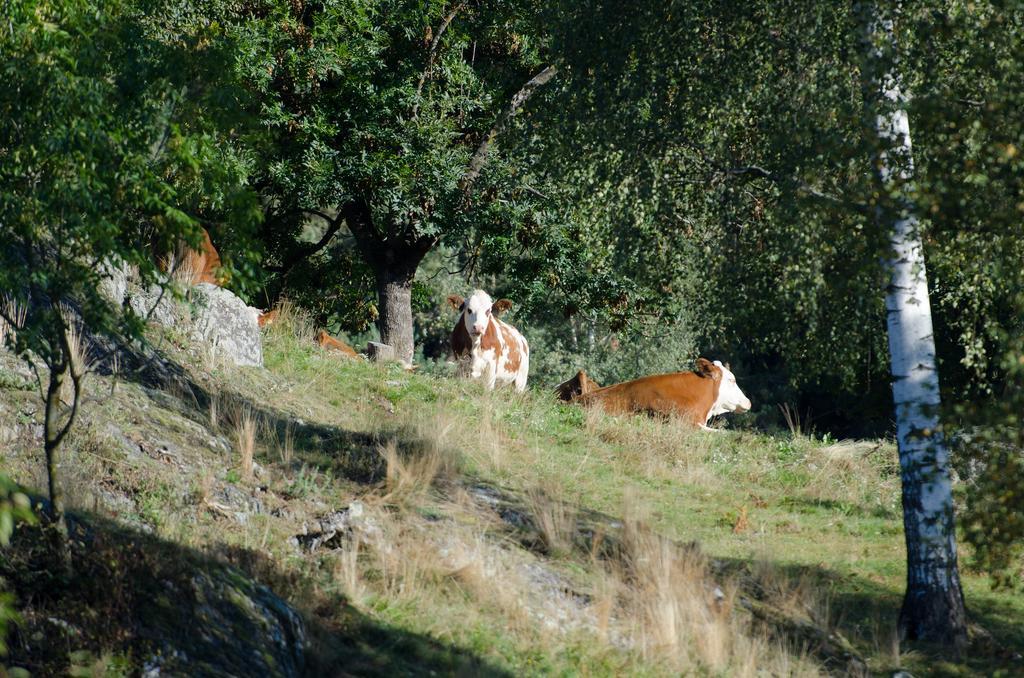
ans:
x=325 y=516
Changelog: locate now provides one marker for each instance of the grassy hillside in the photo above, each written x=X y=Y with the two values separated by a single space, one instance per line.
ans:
x=488 y=532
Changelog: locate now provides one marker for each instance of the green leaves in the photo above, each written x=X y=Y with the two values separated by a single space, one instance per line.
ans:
x=15 y=507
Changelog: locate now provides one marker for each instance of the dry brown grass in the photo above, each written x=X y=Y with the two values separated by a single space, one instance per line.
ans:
x=16 y=312
x=852 y=471
x=409 y=476
x=554 y=517
x=796 y=596
x=348 y=573
x=245 y=425
x=204 y=488
x=292 y=321
x=664 y=599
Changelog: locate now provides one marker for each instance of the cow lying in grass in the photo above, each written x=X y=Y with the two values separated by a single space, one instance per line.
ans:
x=325 y=340
x=695 y=396
x=571 y=389
x=487 y=348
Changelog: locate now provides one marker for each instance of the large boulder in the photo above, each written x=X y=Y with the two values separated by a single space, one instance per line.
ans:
x=226 y=323
x=155 y=303
x=220 y=623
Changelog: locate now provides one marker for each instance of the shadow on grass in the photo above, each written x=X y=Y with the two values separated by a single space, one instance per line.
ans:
x=809 y=505
x=134 y=599
x=864 y=610
x=866 y=613
x=352 y=455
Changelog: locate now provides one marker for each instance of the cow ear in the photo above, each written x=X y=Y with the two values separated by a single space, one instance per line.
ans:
x=706 y=369
x=456 y=302
x=500 y=306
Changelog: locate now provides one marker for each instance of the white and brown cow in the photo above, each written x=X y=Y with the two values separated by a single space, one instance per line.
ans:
x=487 y=348
x=695 y=396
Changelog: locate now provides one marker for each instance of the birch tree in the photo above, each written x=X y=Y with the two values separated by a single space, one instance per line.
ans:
x=933 y=606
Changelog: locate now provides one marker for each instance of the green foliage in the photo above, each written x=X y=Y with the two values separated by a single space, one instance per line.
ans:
x=101 y=166
x=15 y=507
x=357 y=109
x=968 y=143
x=725 y=169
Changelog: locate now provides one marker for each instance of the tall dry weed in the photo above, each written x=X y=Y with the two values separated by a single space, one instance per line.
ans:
x=286 y=446
x=555 y=518
x=294 y=321
x=184 y=266
x=213 y=411
x=245 y=425
x=409 y=477
x=16 y=312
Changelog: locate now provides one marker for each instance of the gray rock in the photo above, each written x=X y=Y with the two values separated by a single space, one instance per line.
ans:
x=114 y=285
x=336 y=527
x=379 y=352
x=224 y=321
x=155 y=303
x=220 y=623
x=238 y=501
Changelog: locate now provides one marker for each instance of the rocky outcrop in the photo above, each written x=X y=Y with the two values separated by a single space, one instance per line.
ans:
x=219 y=623
x=227 y=324
x=154 y=303
x=114 y=285
x=338 y=527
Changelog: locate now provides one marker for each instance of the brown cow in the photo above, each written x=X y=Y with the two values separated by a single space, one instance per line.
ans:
x=268 y=318
x=579 y=385
x=192 y=267
x=328 y=342
x=694 y=396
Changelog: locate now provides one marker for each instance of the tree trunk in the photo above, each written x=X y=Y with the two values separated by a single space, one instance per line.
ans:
x=52 y=439
x=933 y=607
x=394 y=293
x=394 y=261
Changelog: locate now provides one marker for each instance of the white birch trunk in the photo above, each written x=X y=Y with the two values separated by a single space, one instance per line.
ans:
x=933 y=608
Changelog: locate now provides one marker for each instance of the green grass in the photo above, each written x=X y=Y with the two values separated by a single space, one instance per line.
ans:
x=819 y=518
x=817 y=506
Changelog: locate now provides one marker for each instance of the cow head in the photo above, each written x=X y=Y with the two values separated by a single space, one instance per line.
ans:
x=730 y=397
x=477 y=311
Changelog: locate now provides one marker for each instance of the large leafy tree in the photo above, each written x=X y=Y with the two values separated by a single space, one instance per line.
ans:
x=388 y=123
x=743 y=129
x=99 y=168
x=967 y=94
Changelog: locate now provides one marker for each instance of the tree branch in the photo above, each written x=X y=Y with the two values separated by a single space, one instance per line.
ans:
x=434 y=44
x=334 y=225
x=476 y=163
x=761 y=173
x=356 y=214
